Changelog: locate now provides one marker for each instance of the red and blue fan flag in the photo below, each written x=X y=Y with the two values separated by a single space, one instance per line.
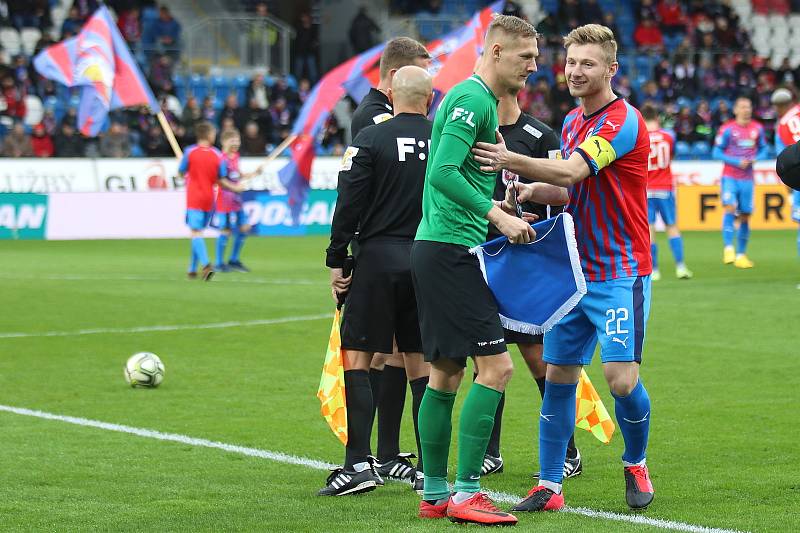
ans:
x=99 y=61
x=295 y=176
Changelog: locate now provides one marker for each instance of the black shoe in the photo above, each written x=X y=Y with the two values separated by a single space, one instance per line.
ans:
x=237 y=266
x=342 y=482
x=223 y=268
x=399 y=468
x=491 y=465
x=573 y=466
x=638 y=488
x=419 y=482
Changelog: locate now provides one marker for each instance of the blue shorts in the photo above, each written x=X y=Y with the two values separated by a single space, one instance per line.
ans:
x=613 y=312
x=661 y=203
x=796 y=206
x=230 y=220
x=197 y=220
x=738 y=193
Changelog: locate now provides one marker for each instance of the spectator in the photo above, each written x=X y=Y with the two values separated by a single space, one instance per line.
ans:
x=514 y=9
x=161 y=72
x=41 y=142
x=591 y=12
x=281 y=89
x=725 y=36
x=115 y=142
x=567 y=10
x=548 y=28
x=155 y=143
x=167 y=32
x=646 y=10
x=233 y=111
x=363 y=31
x=684 y=125
x=623 y=88
x=785 y=75
x=651 y=94
x=280 y=114
x=130 y=27
x=192 y=114
x=262 y=117
x=49 y=121
x=610 y=22
x=306 y=48
x=263 y=39
x=208 y=112
x=333 y=134
x=17 y=143
x=721 y=114
x=258 y=90
x=685 y=78
x=648 y=36
x=563 y=102
x=85 y=8
x=13 y=98
x=253 y=143
x=303 y=90
x=540 y=106
x=72 y=24
x=703 y=123
x=24 y=74
x=673 y=19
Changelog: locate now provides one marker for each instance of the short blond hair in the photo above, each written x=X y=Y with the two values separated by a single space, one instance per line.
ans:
x=227 y=135
x=594 y=34
x=512 y=26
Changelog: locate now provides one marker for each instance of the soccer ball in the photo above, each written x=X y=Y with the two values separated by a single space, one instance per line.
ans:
x=144 y=369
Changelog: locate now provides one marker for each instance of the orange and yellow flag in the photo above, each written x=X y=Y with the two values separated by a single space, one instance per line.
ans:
x=590 y=413
x=331 y=386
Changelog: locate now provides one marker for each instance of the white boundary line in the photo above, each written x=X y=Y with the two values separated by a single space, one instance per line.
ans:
x=175 y=327
x=123 y=277
x=321 y=465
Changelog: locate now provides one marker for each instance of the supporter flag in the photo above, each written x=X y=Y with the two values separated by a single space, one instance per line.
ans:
x=295 y=176
x=99 y=61
x=331 y=386
x=590 y=413
x=538 y=283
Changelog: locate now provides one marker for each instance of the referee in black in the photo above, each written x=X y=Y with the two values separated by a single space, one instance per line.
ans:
x=380 y=193
x=531 y=137
x=387 y=374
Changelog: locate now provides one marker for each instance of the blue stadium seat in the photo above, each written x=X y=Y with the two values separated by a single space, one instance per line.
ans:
x=701 y=150
x=241 y=82
x=551 y=6
x=682 y=149
x=199 y=86
x=291 y=81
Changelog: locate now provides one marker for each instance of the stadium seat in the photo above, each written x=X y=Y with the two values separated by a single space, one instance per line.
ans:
x=199 y=86
x=682 y=149
x=10 y=41
x=34 y=110
x=29 y=37
x=701 y=150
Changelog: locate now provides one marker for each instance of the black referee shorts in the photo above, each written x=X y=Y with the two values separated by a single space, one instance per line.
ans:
x=380 y=304
x=458 y=314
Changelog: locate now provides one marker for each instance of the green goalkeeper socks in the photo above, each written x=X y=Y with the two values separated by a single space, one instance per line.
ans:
x=435 y=428
x=475 y=428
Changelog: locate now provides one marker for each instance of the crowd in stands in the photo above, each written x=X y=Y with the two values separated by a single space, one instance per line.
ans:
x=690 y=58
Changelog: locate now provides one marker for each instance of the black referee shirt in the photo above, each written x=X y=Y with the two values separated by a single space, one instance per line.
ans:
x=531 y=137
x=373 y=109
x=380 y=184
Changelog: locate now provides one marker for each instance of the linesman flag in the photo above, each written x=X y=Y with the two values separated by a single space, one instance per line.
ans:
x=590 y=413
x=331 y=386
x=99 y=61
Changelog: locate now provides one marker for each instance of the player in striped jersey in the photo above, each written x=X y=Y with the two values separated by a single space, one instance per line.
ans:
x=661 y=192
x=605 y=147
x=787 y=133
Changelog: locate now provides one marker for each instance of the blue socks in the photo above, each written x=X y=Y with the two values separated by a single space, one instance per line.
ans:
x=199 y=252
x=676 y=244
x=633 y=419
x=728 y=229
x=654 y=254
x=222 y=242
x=238 y=242
x=556 y=424
x=193 y=260
x=744 y=236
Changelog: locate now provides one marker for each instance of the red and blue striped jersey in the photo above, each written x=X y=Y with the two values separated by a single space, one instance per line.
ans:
x=229 y=201
x=203 y=166
x=610 y=206
x=735 y=143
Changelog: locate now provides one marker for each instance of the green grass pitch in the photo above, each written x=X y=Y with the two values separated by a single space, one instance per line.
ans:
x=720 y=364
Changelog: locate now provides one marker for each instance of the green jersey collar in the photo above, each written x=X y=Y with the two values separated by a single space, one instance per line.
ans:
x=477 y=79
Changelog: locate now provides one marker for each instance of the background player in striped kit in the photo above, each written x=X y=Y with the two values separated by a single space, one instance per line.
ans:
x=738 y=144
x=661 y=192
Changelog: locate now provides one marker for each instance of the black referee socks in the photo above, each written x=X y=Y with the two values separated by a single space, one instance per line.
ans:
x=359 y=416
x=390 y=412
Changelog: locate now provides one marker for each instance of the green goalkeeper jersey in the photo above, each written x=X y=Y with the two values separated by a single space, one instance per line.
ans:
x=457 y=194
